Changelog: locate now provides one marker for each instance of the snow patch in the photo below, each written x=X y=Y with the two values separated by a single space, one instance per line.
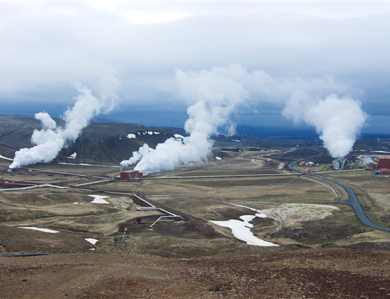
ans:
x=91 y=240
x=178 y=136
x=99 y=199
x=258 y=214
x=131 y=136
x=45 y=230
x=241 y=230
x=218 y=158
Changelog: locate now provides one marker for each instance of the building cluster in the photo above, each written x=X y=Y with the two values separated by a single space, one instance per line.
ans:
x=307 y=163
x=379 y=164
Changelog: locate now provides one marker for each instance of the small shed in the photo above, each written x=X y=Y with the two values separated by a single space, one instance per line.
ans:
x=129 y=175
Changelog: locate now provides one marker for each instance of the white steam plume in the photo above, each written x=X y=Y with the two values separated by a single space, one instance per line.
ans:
x=216 y=95
x=217 y=92
x=51 y=139
x=337 y=120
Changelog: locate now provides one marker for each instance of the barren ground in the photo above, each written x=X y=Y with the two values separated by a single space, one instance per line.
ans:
x=292 y=273
x=325 y=251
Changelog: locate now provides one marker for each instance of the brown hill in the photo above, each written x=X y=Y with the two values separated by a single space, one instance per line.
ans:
x=98 y=142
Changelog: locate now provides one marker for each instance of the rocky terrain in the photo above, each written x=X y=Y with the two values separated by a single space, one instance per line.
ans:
x=287 y=273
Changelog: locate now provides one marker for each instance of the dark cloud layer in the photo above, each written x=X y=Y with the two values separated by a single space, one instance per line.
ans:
x=131 y=51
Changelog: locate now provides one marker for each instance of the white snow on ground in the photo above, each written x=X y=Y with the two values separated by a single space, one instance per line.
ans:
x=130 y=136
x=45 y=230
x=5 y=158
x=241 y=230
x=178 y=136
x=99 y=199
x=150 y=132
x=235 y=140
x=91 y=240
x=218 y=158
x=157 y=133
x=260 y=215
x=74 y=155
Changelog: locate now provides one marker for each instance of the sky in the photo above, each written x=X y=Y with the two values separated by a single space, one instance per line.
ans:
x=132 y=53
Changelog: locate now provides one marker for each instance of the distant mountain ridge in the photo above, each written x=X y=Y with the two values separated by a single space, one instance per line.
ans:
x=296 y=133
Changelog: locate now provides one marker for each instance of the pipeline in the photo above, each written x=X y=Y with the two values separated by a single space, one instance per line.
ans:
x=23 y=254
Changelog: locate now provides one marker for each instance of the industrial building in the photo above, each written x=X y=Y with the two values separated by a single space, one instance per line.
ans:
x=367 y=162
x=339 y=163
x=384 y=164
x=130 y=175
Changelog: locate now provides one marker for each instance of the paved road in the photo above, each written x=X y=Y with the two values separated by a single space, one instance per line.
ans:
x=355 y=205
x=352 y=197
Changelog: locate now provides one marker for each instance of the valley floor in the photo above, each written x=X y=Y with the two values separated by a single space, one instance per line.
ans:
x=100 y=244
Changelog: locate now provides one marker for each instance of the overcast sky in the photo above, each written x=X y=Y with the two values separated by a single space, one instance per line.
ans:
x=131 y=51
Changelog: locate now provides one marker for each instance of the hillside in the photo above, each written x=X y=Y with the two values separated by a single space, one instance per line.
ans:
x=98 y=142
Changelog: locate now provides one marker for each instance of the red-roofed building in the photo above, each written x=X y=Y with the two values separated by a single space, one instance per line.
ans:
x=384 y=164
x=129 y=175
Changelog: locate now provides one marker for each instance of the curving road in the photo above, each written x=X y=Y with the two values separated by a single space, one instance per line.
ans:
x=355 y=205
x=352 y=197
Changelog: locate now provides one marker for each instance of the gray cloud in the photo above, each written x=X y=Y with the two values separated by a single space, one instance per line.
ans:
x=56 y=46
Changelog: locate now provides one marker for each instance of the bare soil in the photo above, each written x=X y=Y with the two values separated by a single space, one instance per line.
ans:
x=288 y=273
x=325 y=252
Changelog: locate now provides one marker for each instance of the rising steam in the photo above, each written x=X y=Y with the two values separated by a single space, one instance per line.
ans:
x=337 y=120
x=216 y=95
x=217 y=92
x=51 y=138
